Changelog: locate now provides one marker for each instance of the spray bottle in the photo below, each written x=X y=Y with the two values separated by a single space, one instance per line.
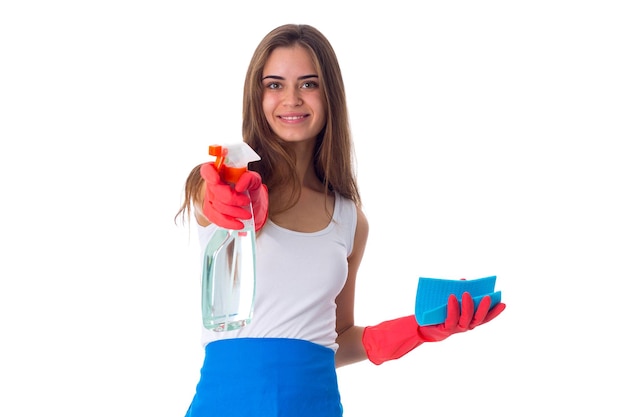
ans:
x=229 y=261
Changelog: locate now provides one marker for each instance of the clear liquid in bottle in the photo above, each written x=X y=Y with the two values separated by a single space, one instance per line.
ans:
x=228 y=278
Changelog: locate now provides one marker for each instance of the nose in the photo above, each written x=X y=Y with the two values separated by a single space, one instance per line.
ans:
x=292 y=97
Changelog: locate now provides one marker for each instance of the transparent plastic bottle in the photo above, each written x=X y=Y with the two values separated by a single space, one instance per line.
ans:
x=229 y=261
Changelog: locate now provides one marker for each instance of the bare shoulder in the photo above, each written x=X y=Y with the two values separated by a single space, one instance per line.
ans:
x=361 y=220
x=360 y=235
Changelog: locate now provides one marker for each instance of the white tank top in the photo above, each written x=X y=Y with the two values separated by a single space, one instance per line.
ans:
x=299 y=275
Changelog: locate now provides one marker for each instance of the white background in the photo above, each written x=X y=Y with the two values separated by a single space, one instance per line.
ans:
x=490 y=141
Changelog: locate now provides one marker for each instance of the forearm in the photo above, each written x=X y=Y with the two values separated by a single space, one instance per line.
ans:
x=350 y=347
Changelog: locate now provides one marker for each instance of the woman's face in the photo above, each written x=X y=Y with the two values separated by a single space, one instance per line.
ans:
x=293 y=102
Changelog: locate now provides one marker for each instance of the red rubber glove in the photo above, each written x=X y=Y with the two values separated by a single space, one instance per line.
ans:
x=395 y=338
x=251 y=181
x=224 y=204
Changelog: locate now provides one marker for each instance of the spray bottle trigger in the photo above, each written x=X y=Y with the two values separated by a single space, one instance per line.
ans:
x=219 y=153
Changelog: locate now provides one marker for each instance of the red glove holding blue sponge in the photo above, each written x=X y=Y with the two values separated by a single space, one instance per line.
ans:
x=395 y=338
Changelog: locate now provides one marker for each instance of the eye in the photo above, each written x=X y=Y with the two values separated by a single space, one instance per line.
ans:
x=272 y=85
x=310 y=84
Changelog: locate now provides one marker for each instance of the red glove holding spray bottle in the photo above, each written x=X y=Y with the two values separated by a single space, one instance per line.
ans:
x=223 y=203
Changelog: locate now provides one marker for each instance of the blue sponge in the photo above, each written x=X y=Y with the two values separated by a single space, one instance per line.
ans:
x=431 y=301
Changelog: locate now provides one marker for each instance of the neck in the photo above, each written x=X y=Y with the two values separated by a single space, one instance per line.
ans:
x=304 y=164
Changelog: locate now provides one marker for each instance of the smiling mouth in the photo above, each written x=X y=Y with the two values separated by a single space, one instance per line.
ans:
x=292 y=118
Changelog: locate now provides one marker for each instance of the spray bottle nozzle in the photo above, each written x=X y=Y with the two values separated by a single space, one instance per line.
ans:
x=232 y=161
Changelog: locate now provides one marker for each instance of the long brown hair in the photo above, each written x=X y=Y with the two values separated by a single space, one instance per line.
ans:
x=333 y=154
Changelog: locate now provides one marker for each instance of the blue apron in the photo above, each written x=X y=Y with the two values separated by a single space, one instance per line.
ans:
x=267 y=377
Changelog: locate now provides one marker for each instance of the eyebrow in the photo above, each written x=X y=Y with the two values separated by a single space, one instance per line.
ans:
x=277 y=77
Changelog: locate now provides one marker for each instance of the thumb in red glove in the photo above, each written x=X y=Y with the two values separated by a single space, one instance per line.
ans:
x=395 y=338
x=225 y=205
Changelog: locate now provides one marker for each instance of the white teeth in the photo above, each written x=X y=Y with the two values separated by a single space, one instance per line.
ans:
x=292 y=117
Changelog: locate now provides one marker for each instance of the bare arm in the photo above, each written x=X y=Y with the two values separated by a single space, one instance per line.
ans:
x=348 y=335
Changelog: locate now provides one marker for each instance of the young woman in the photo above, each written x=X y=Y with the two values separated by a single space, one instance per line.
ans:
x=311 y=238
